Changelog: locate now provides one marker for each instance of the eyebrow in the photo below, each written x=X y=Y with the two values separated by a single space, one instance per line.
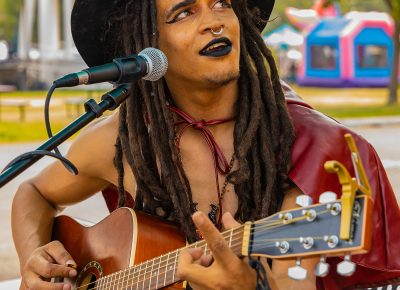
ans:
x=178 y=6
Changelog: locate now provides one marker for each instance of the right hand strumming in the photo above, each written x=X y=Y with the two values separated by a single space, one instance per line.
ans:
x=46 y=262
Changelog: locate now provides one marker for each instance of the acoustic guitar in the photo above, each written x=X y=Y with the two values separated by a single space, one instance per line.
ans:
x=129 y=250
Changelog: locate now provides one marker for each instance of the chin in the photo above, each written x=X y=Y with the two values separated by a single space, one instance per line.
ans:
x=222 y=79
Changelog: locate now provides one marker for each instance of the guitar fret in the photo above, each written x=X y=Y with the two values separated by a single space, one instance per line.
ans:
x=138 y=276
x=127 y=278
x=113 y=280
x=230 y=238
x=118 y=279
x=134 y=277
x=158 y=270
x=151 y=273
x=175 y=266
x=166 y=270
x=144 y=274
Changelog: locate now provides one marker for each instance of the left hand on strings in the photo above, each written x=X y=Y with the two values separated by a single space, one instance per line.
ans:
x=224 y=270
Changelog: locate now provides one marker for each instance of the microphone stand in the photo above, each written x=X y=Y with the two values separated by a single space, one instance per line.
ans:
x=110 y=101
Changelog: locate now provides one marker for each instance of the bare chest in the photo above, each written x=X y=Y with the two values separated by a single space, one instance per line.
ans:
x=200 y=168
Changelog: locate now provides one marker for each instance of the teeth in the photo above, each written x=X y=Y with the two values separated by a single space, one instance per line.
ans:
x=214 y=46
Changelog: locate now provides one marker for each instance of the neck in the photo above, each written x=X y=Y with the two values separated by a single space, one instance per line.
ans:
x=206 y=103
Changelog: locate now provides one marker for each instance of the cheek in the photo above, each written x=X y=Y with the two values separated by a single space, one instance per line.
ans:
x=175 y=45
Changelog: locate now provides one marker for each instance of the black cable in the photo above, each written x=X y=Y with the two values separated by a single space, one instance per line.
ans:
x=262 y=280
x=47 y=114
x=68 y=164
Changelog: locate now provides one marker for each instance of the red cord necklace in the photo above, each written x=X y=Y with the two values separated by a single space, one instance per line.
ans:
x=221 y=165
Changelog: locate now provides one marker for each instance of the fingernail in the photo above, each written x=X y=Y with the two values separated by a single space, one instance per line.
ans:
x=72 y=273
x=71 y=263
x=66 y=287
x=199 y=217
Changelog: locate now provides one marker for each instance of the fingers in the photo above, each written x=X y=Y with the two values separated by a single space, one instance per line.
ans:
x=43 y=268
x=188 y=269
x=214 y=239
x=33 y=282
x=206 y=260
x=60 y=255
x=196 y=255
x=49 y=261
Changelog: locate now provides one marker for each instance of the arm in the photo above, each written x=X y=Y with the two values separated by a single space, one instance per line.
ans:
x=38 y=200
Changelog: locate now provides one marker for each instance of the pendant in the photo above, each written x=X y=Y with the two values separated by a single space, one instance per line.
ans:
x=212 y=215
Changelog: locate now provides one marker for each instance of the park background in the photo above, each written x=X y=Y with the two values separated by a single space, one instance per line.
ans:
x=364 y=109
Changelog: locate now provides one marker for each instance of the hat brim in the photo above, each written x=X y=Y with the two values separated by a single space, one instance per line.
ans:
x=95 y=36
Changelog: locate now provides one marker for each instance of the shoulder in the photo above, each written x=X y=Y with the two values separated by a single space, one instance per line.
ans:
x=94 y=148
x=320 y=138
x=92 y=152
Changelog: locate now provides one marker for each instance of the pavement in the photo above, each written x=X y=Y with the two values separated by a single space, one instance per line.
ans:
x=373 y=121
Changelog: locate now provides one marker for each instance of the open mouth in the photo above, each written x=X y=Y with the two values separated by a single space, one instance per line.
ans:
x=217 y=47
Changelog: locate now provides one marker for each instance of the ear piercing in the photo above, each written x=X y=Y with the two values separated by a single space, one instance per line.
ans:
x=218 y=32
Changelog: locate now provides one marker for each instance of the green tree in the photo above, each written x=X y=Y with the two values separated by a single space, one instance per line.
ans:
x=9 y=12
x=394 y=8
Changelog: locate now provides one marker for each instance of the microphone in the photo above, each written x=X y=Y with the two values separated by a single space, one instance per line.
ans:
x=150 y=64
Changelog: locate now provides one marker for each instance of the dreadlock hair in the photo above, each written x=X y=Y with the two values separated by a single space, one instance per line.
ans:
x=263 y=133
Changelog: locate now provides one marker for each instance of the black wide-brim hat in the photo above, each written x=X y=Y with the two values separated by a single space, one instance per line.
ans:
x=95 y=35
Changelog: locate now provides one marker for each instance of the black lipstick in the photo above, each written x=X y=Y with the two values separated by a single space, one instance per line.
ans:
x=217 y=47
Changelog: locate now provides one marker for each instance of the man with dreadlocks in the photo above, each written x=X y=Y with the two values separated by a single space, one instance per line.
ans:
x=216 y=135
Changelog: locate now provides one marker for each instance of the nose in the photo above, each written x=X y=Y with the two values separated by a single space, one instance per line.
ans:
x=211 y=22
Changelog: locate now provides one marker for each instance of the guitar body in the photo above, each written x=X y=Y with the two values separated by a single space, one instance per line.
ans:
x=121 y=240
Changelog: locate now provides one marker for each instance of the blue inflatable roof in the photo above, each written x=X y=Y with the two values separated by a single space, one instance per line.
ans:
x=329 y=28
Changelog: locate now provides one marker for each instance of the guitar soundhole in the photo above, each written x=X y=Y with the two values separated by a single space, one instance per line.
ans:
x=89 y=275
x=92 y=280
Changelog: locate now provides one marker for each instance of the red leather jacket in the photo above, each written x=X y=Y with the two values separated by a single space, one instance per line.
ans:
x=319 y=139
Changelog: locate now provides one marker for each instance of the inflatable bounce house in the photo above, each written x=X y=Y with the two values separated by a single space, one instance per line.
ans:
x=354 y=50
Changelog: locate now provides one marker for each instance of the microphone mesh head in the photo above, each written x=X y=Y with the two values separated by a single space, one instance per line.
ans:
x=157 y=63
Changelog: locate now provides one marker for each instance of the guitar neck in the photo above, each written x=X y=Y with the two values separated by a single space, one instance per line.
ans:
x=160 y=272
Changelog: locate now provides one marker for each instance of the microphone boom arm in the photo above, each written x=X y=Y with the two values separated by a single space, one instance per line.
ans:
x=110 y=101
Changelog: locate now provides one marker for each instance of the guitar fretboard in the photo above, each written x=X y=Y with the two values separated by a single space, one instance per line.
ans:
x=161 y=271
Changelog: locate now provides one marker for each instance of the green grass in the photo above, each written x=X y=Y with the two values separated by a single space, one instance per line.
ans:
x=360 y=112
x=57 y=93
x=28 y=131
x=349 y=103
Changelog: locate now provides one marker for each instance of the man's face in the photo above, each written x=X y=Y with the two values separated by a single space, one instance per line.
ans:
x=195 y=55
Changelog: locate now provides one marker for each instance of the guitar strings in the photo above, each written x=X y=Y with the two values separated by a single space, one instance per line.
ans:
x=263 y=225
x=167 y=262
x=229 y=232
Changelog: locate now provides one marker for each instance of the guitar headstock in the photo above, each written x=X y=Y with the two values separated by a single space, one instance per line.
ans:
x=312 y=231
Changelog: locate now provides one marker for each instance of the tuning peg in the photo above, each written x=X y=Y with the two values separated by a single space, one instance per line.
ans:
x=327 y=197
x=322 y=268
x=304 y=200
x=332 y=241
x=283 y=246
x=297 y=272
x=347 y=267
